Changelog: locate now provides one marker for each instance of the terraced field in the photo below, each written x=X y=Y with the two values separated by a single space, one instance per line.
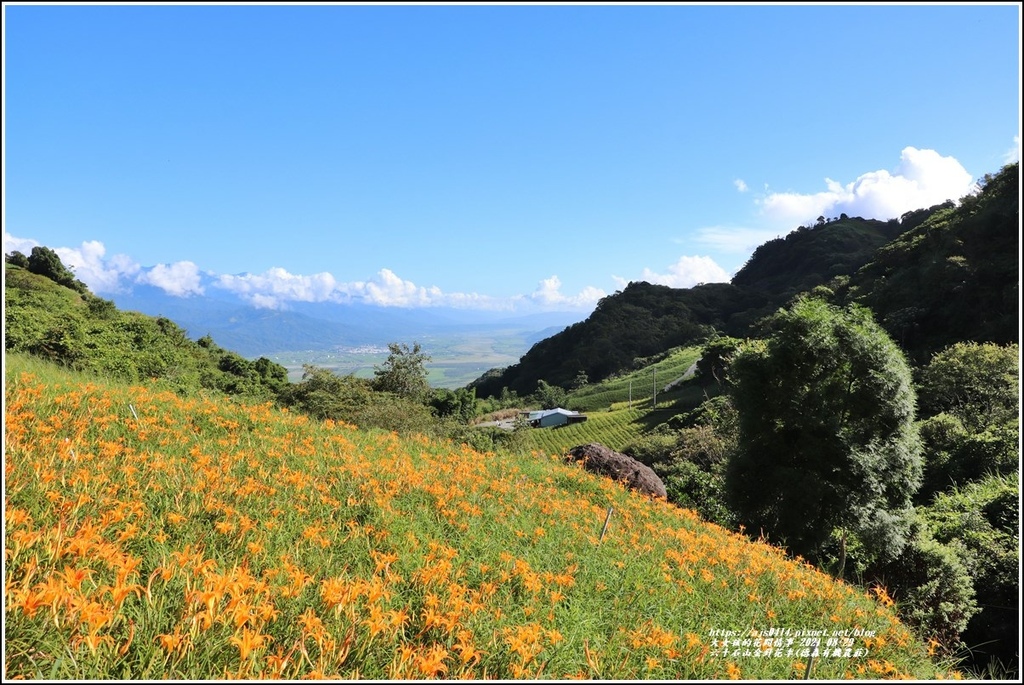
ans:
x=637 y=386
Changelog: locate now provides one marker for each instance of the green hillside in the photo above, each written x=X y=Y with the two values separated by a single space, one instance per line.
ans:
x=74 y=328
x=955 y=277
x=223 y=442
x=155 y=536
x=937 y=276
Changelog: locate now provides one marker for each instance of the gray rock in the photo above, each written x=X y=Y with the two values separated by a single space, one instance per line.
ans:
x=606 y=462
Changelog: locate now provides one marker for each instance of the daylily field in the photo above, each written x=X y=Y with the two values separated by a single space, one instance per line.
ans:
x=153 y=536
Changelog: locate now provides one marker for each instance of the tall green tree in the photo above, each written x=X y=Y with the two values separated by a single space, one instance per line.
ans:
x=827 y=443
x=404 y=373
x=45 y=262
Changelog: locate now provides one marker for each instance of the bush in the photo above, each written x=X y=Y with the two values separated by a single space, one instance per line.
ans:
x=652 y=449
x=956 y=456
x=932 y=587
x=981 y=521
x=978 y=383
x=323 y=394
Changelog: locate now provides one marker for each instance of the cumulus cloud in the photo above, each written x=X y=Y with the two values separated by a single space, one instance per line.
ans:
x=921 y=179
x=15 y=244
x=685 y=273
x=740 y=185
x=271 y=289
x=388 y=290
x=276 y=287
x=87 y=262
x=180 y=279
x=549 y=293
x=100 y=274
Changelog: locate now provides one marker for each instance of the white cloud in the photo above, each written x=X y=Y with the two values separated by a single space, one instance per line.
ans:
x=922 y=178
x=15 y=244
x=1013 y=154
x=740 y=185
x=90 y=267
x=685 y=273
x=87 y=262
x=276 y=286
x=180 y=279
x=388 y=290
x=549 y=294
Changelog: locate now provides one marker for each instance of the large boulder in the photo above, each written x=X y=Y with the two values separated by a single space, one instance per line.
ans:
x=606 y=462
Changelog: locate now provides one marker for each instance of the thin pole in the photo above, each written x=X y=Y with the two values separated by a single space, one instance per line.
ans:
x=606 y=520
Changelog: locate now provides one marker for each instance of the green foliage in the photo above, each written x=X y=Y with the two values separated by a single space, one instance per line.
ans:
x=689 y=454
x=403 y=373
x=932 y=586
x=323 y=394
x=636 y=385
x=652 y=449
x=488 y=439
x=18 y=259
x=981 y=521
x=640 y=321
x=977 y=382
x=45 y=262
x=953 y=277
x=970 y=393
x=460 y=404
x=956 y=456
x=550 y=396
x=809 y=257
x=826 y=433
x=714 y=360
x=695 y=478
x=79 y=330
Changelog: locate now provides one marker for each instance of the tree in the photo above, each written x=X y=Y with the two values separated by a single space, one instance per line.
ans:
x=827 y=442
x=45 y=262
x=404 y=372
x=979 y=383
x=17 y=259
x=580 y=381
x=550 y=396
x=714 y=360
x=458 y=404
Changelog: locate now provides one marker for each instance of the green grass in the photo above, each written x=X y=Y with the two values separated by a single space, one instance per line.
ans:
x=637 y=384
x=615 y=420
x=151 y=536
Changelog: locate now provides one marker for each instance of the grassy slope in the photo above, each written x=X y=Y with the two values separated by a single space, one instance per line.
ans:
x=207 y=538
x=639 y=384
x=615 y=421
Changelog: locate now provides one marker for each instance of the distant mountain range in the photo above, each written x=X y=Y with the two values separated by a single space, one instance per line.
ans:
x=252 y=332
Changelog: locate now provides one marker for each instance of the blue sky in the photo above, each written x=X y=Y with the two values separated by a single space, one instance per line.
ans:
x=490 y=156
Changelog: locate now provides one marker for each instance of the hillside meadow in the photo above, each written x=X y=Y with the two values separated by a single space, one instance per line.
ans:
x=154 y=536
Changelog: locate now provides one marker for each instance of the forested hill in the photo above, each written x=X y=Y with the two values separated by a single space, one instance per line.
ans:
x=954 y=277
x=935 y=276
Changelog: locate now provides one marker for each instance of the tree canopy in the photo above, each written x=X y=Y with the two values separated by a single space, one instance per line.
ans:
x=404 y=372
x=826 y=431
